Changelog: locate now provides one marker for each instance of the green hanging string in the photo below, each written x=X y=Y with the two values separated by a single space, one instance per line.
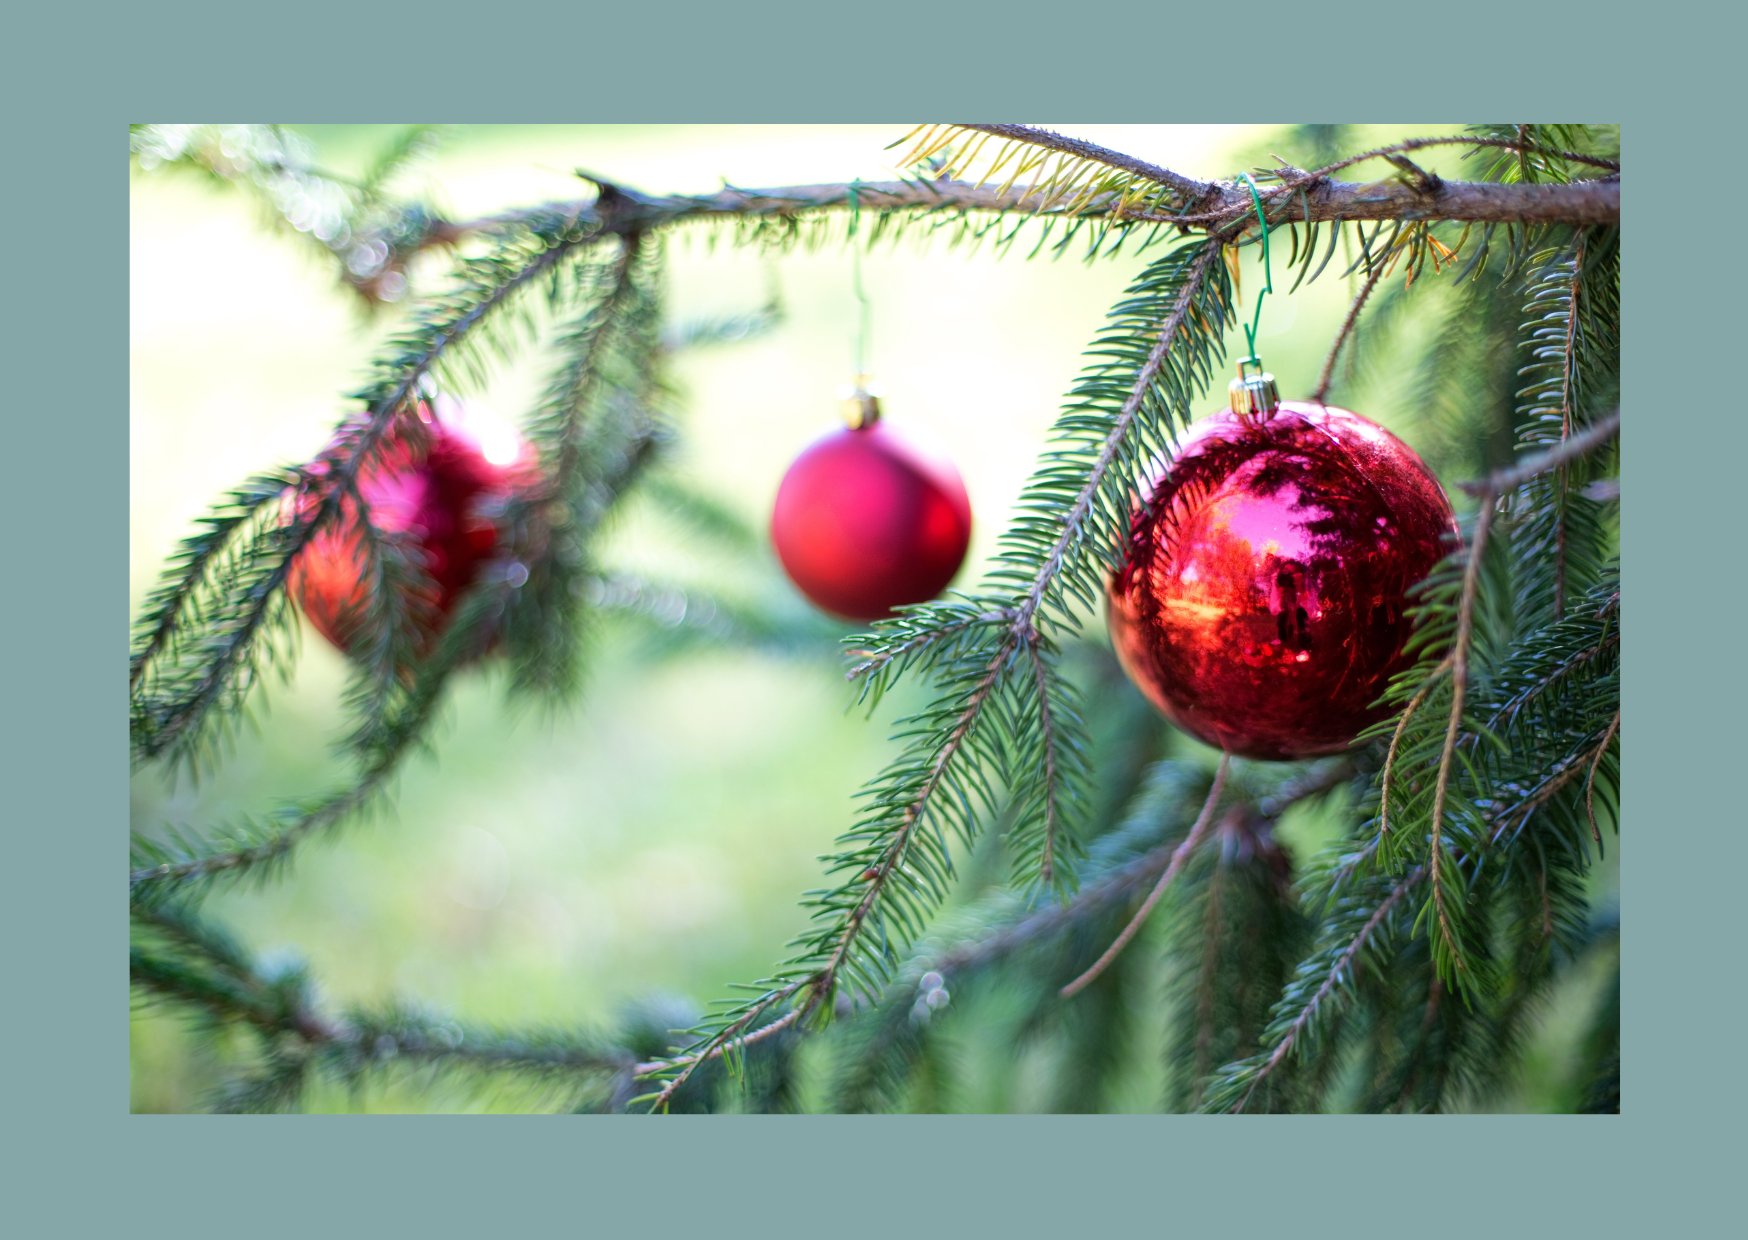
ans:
x=865 y=316
x=1267 y=272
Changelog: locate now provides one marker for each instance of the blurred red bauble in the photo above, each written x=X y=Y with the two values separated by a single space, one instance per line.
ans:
x=1261 y=602
x=866 y=521
x=440 y=495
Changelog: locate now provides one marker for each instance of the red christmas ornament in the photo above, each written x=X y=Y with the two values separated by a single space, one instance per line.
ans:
x=866 y=520
x=441 y=496
x=1261 y=602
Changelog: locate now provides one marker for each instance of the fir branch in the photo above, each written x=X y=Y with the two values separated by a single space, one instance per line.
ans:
x=171 y=703
x=1339 y=972
x=1178 y=857
x=1050 y=740
x=599 y=427
x=169 y=606
x=1081 y=185
x=207 y=857
x=732 y=1045
x=1124 y=880
x=1459 y=658
x=1125 y=863
x=1045 y=558
x=900 y=654
x=185 y=960
x=1590 y=780
x=196 y=860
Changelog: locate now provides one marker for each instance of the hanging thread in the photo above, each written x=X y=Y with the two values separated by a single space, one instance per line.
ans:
x=1268 y=278
x=865 y=313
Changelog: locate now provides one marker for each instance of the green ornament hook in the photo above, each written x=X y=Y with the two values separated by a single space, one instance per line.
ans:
x=1267 y=271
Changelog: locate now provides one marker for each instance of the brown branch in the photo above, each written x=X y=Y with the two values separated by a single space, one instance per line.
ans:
x=1519 y=813
x=1347 y=326
x=1580 y=202
x=1483 y=202
x=1588 y=202
x=1178 y=857
x=1415 y=144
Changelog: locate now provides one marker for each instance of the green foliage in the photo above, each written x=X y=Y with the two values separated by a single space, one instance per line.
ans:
x=1401 y=969
x=363 y=225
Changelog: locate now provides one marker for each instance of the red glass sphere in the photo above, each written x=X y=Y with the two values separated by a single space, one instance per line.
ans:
x=1261 y=602
x=866 y=520
x=441 y=497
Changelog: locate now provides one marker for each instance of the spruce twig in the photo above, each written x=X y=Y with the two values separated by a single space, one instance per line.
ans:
x=1336 y=974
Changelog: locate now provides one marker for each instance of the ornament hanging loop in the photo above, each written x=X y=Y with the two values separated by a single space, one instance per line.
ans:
x=1253 y=397
x=862 y=398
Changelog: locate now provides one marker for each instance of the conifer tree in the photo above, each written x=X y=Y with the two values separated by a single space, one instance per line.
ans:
x=1401 y=970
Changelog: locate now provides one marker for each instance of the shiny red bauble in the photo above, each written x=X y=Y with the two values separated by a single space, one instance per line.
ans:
x=1261 y=603
x=866 y=520
x=439 y=493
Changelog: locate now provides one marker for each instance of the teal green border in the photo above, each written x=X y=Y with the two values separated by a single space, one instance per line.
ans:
x=81 y=1166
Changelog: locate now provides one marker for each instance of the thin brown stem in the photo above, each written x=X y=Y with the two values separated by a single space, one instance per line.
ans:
x=718 y=1047
x=1347 y=326
x=1178 y=857
x=1586 y=441
x=1124 y=881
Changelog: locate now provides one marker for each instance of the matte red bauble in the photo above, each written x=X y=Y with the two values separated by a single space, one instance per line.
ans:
x=866 y=521
x=1261 y=602
x=440 y=497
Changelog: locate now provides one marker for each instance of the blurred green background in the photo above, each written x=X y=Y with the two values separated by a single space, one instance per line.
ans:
x=649 y=844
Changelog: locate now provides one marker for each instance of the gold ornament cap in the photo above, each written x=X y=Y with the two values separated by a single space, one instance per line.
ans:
x=861 y=402
x=1253 y=395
